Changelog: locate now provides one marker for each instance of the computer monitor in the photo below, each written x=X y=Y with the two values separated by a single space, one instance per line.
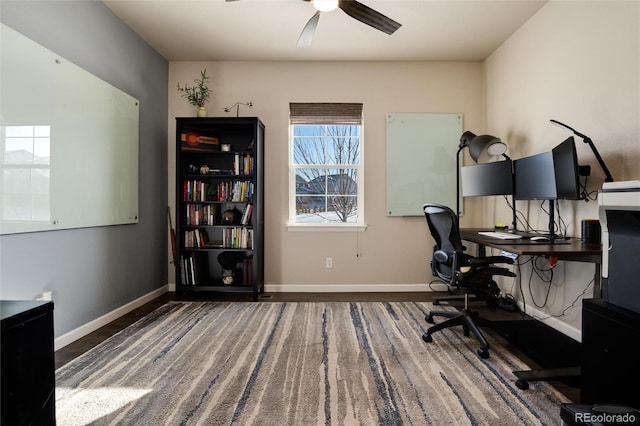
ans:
x=535 y=177
x=565 y=160
x=486 y=179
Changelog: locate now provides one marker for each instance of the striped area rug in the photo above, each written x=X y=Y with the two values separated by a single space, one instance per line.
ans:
x=337 y=363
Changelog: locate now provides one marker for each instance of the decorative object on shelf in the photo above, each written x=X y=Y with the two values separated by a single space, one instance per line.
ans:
x=192 y=140
x=231 y=216
x=237 y=107
x=199 y=94
x=204 y=169
x=225 y=147
x=229 y=260
x=227 y=276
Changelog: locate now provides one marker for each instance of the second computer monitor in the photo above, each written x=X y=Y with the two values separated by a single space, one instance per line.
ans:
x=535 y=177
x=487 y=179
x=565 y=160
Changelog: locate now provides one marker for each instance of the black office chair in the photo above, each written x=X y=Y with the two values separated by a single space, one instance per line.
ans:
x=458 y=269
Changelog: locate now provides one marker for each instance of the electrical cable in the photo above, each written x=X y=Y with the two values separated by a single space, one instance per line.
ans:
x=548 y=281
x=571 y=305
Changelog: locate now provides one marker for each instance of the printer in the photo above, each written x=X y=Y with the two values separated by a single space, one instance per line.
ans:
x=619 y=214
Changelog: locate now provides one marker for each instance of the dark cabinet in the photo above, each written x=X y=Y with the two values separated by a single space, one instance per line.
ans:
x=609 y=370
x=219 y=205
x=28 y=363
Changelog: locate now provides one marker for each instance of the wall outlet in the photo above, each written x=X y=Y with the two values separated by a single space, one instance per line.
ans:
x=328 y=262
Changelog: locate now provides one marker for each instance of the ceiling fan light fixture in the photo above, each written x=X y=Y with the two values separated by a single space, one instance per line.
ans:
x=325 y=5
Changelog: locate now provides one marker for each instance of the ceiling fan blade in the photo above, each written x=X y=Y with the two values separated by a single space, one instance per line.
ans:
x=306 y=36
x=366 y=15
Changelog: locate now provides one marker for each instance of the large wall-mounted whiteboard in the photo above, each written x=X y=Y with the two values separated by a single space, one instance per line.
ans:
x=69 y=143
x=421 y=161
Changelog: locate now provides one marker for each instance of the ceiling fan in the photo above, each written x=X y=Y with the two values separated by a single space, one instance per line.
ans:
x=353 y=8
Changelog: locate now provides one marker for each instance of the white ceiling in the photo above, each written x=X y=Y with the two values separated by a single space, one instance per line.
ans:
x=267 y=30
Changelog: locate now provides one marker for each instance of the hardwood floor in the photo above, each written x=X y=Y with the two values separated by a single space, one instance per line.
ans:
x=80 y=346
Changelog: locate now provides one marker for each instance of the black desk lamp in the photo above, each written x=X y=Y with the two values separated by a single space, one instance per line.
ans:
x=586 y=139
x=481 y=149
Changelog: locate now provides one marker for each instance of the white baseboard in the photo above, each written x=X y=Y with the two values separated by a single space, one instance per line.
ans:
x=73 y=335
x=345 y=288
x=562 y=327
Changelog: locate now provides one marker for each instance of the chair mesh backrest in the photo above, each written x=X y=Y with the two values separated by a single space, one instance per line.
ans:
x=443 y=225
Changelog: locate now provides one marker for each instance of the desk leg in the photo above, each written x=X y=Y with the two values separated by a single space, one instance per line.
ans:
x=597 y=282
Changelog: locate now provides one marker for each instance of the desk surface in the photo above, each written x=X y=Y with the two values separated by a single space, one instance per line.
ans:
x=571 y=247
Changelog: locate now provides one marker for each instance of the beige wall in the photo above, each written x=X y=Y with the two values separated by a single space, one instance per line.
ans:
x=576 y=62
x=393 y=253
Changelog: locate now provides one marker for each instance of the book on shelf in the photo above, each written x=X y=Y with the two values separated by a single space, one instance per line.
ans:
x=246 y=214
x=183 y=274
x=247 y=271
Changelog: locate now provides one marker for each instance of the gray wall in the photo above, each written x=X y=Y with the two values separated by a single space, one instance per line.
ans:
x=92 y=271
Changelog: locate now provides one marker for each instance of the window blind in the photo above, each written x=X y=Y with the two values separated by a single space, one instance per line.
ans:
x=325 y=113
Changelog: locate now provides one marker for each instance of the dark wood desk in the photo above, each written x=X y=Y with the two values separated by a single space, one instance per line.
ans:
x=572 y=250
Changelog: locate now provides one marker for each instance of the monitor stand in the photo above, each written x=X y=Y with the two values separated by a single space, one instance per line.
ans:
x=551 y=233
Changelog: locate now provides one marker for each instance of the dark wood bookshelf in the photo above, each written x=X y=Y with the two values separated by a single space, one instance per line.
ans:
x=220 y=205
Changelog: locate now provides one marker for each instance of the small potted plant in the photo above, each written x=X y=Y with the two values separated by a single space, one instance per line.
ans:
x=199 y=94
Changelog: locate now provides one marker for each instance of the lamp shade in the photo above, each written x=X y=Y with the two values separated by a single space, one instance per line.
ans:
x=483 y=147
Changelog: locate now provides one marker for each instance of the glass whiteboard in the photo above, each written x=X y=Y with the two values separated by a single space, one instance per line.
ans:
x=69 y=143
x=421 y=161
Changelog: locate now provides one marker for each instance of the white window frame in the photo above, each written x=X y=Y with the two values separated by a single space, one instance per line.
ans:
x=359 y=224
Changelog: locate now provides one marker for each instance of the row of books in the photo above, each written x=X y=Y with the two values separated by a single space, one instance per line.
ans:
x=241 y=238
x=209 y=214
x=202 y=214
x=243 y=164
x=235 y=191
x=190 y=273
x=237 y=238
x=196 y=238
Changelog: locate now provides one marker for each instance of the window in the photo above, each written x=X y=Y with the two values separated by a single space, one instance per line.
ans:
x=326 y=186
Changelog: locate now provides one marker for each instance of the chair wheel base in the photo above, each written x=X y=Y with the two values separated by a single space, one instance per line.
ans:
x=483 y=353
x=436 y=302
x=522 y=384
x=427 y=338
x=429 y=319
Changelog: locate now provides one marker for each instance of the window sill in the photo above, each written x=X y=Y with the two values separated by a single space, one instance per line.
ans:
x=322 y=227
